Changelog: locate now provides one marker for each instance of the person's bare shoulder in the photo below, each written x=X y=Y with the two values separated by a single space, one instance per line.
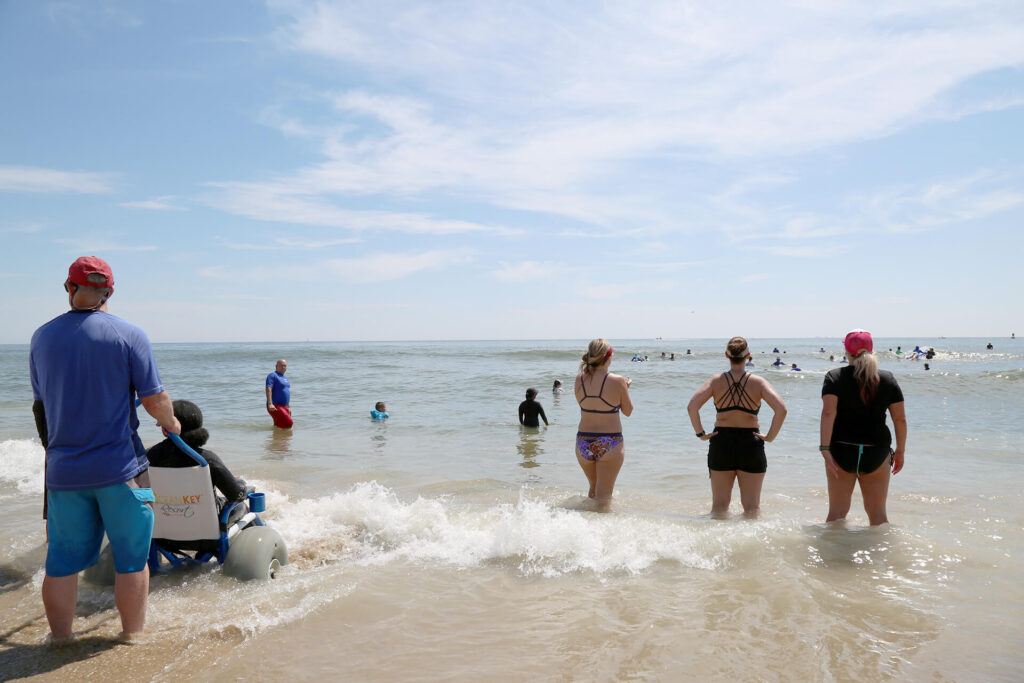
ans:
x=759 y=384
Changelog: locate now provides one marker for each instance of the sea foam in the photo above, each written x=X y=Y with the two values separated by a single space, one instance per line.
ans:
x=21 y=465
x=370 y=525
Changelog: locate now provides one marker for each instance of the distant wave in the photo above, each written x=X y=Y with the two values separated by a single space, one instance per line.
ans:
x=540 y=354
x=1005 y=375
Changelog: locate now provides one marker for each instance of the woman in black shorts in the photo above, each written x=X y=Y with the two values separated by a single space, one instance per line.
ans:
x=855 y=441
x=736 y=451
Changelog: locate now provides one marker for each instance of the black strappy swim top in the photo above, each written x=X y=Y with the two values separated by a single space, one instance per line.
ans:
x=737 y=394
x=583 y=386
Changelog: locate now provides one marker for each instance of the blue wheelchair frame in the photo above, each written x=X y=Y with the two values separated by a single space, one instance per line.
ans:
x=156 y=553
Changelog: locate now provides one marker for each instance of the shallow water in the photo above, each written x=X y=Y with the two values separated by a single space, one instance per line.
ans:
x=452 y=543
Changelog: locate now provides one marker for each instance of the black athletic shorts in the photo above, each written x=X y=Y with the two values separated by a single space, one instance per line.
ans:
x=736 y=448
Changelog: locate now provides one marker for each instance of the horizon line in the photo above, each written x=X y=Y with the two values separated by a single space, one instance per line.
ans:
x=523 y=339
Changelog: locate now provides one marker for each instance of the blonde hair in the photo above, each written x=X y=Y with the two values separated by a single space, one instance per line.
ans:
x=865 y=371
x=737 y=349
x=597 y=353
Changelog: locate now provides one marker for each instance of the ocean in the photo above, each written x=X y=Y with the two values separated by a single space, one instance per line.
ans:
x=451 y=543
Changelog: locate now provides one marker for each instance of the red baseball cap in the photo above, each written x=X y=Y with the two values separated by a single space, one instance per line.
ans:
x=83 y=267
x=858 y=341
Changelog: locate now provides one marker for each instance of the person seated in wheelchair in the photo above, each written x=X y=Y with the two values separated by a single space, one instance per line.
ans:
x=231 y=488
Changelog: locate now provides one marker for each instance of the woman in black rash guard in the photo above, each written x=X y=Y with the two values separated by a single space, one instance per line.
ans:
x=855 y=441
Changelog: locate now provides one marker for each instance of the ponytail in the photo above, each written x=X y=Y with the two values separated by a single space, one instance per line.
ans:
x=865 y=371
x=596 y=354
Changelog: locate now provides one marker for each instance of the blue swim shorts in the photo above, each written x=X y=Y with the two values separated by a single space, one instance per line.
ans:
x=76 y=520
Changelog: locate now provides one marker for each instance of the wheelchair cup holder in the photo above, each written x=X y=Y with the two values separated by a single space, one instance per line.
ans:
x=257 y=502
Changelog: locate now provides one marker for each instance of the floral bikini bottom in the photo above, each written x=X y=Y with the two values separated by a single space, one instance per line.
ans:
x=592 y=446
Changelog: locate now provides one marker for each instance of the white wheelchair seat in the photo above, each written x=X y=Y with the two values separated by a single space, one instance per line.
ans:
x=186 y=506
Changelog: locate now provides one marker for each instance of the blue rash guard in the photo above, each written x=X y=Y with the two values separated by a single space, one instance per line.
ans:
x=87 y=367
x=280 y=389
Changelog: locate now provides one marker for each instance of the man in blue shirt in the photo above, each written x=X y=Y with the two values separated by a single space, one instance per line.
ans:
x=87 y=367
x=279 y=396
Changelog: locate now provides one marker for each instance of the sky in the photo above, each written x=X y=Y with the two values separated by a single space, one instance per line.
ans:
x=292 y=171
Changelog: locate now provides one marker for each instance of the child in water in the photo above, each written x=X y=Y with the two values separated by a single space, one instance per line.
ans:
x=379 y=411
x=530 y=409
x=557 y=387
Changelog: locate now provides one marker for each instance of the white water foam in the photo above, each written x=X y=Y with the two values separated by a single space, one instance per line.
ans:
x=21 y=466
x=237 y=608
x=370 y=525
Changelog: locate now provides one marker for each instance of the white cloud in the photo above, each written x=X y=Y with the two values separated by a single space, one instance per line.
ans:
x=806 y=226
x=157 y=204
x=86 y=246
x=529 y=271
x=661 y=265
x=906 y=208
x=623 y=79
x=376 y=267
x=383 y=267
x=33 y=179
x=809 y=252
x=27 y=228
x=536 y=107
x=940 y=203
x=289 y=243
x=287 y=204
x=286 y=243
x=89 y=21
x=618 y=290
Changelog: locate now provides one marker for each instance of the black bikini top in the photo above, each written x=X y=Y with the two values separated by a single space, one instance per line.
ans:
x=737 y=394
x=614 y=409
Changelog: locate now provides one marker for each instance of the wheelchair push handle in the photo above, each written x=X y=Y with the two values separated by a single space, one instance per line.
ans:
x=187 y=450
x=182 y=446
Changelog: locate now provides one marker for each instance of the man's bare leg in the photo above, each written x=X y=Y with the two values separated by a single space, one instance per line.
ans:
x=131 y=594
x=60 y=595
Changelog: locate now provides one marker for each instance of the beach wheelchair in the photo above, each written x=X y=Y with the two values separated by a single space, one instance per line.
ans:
x=189 y=531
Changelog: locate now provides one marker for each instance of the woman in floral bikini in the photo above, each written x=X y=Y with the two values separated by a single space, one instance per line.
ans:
x=599 y=444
